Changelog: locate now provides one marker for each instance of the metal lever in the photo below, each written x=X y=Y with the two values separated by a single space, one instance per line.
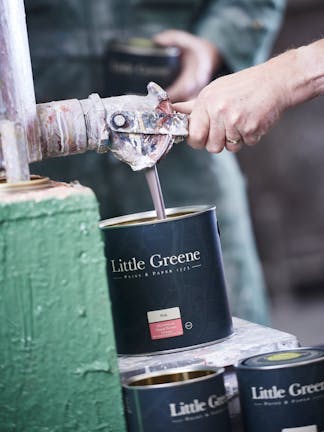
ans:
x=149 y=123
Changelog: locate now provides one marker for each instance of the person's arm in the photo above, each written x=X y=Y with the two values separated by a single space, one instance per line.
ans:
x=240 y=108
x=242 y=30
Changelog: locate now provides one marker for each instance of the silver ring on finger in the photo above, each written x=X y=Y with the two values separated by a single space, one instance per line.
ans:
x=233 y=141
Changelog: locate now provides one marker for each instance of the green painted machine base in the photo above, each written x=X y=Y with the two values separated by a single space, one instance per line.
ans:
x=58 y=368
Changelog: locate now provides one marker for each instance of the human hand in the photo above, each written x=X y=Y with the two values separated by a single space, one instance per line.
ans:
x=237 y=109
x=199 y=60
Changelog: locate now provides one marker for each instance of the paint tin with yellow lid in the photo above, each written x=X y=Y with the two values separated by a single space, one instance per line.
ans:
x=283 y=391
x=129 y=64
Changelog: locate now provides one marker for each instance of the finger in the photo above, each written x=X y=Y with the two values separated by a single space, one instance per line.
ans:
x=233 y=139
x=177 y=38
x=165 y=38
x=184 y=107
x=233 y=147
x=198 y=127
x=253 y=130
x=217 y=136
x=251 y=140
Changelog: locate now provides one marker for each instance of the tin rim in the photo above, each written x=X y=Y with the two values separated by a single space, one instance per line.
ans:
x=209 y=372
x=143 y=47
x=35 y=182
x=149 y=217
x=242 y=366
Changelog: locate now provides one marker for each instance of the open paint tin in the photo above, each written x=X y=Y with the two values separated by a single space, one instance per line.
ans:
x=177 y=400
x=283 y=391
x=166 y=280
x=131 y=63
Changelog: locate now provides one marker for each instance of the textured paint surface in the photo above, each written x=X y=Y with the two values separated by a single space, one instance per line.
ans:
x=58 y=369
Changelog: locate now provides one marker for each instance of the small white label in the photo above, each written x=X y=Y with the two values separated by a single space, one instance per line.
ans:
x=163 y=315
x=312 y=428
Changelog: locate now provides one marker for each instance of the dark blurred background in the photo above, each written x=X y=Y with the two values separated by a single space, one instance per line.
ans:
x=285 y=178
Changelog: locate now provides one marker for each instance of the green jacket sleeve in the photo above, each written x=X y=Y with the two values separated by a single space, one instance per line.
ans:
x=243 y=30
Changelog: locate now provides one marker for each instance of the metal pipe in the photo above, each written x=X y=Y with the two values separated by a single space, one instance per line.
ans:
x=72 y=126
x=13 y=139
x=139 y=130
x=17 y=97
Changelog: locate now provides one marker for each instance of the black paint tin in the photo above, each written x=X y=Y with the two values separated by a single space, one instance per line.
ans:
x=283 y=391
x=178 y=400
x=130 y=64
x=166 y=280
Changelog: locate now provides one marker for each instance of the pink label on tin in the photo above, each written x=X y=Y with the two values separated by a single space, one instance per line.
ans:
x=166 y=329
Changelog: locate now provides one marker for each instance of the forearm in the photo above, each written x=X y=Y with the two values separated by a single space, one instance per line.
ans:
x=301 y=71
x=241 y=108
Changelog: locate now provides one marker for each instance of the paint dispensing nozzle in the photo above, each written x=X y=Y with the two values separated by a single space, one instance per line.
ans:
x=142 y=129
x=139 y=130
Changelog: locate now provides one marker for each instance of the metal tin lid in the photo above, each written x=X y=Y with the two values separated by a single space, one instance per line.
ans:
x=172 y=377
x=35 y=182
x=143 y=47
x=281 y=359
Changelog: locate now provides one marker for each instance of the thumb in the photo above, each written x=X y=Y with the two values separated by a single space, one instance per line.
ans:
x=179 y=38
x=184 y=107
x=165 y=38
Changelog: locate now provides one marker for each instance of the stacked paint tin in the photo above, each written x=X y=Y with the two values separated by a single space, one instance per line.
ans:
x=168 y=293
x=283 y=391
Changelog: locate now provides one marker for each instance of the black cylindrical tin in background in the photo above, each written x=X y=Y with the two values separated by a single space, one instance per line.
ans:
x=166 y=280
x=130 y=64
x=283 y=391
x=178 y=400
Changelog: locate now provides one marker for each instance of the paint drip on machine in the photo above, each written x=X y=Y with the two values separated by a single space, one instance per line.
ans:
x=166 y=280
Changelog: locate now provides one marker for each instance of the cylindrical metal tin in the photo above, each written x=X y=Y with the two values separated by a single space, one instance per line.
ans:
x=131 y=64
x=177 y=400
x=283 y=391
x=166 y=280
